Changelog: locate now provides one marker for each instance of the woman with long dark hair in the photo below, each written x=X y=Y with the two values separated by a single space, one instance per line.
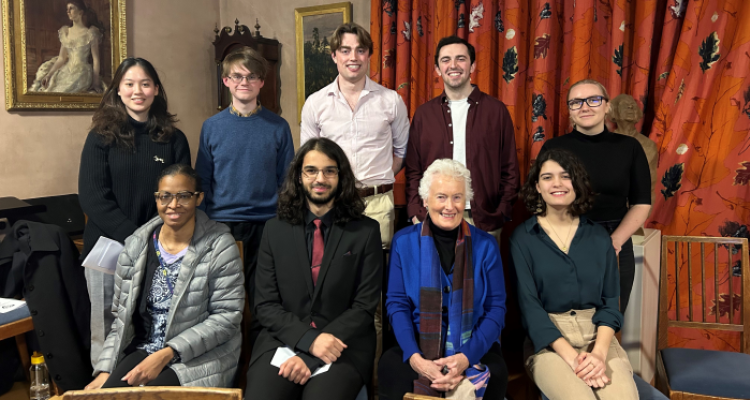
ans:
x=132 y=139
x=71 y=71
x=568 y=287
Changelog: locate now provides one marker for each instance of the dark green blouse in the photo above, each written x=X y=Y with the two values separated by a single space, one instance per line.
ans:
x=550 y=281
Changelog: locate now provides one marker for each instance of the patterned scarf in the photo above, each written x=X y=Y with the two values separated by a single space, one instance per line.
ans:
x=460 y=314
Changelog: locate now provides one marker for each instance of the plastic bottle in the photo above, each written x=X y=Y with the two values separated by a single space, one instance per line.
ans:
x=39 y=378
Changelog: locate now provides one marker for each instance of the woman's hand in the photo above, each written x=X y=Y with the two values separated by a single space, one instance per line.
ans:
x=591 y=369
x=98 y=381
x=45 y=81
x=148 y=369
x=425 y=368
x=457 y=364
x=295 y=370
x=617 y=244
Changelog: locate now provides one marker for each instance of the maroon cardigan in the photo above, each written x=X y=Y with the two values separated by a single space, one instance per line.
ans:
x=490 y=155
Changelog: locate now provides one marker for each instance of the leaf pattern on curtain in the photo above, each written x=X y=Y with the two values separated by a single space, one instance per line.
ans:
x=686 y=63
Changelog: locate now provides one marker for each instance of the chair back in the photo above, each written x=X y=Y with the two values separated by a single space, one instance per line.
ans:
x=154 y=393
x=711 y=279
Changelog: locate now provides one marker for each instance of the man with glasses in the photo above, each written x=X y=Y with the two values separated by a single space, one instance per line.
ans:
x=472 y=128
x=242 y=158
x=318 y=284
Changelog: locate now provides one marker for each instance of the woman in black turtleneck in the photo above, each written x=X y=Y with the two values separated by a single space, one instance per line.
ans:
x=132 y=139
x=618 y=169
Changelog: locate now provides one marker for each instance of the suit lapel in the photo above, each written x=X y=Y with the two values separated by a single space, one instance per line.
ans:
x=331 y=245
x=300 y=243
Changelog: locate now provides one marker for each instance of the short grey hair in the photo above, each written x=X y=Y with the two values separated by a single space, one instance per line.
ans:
x=447 y=168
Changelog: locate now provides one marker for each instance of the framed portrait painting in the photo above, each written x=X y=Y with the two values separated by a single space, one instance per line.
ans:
x=61 y=54
x=314 y=28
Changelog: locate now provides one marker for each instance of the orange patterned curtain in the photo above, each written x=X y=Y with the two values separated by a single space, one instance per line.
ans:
x=686 y=62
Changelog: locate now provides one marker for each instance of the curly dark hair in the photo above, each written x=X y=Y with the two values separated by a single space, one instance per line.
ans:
x=569 y=162
x=347 y=205
x=111 y=118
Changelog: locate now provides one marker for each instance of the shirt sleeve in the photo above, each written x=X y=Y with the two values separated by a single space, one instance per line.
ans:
x=204 y=166
x=490 y=324
x=400 y=127
x=538 y=326
x=640 y=178
x=309 y=124
x=95 y=191
x=509 y=175
x=414 y=171
x=399 y=308
x=609 y=313
x=181 y=149
x=284 y=155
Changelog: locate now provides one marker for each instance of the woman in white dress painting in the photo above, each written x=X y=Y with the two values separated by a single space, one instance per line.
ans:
x=71 y=71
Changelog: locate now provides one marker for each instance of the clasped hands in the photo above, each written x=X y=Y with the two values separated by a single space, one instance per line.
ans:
x=143 y=373
x=433 y=370
x=591 y=368
x=326 y=347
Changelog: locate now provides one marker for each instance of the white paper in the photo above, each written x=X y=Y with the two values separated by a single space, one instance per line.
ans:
x=284 y=353
x=8 y=305
x=103 y=257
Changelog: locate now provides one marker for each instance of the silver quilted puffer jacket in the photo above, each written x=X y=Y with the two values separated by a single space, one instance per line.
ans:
x=204 y=319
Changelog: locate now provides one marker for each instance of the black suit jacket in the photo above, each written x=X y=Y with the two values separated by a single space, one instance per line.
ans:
x=342 y=303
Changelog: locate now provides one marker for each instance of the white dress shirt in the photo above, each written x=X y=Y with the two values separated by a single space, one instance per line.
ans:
x=370 y=135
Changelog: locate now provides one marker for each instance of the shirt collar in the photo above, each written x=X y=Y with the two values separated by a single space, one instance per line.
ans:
x=327 y=218
x=532 y=223
x=234 y=111
x=473 y=96
x=370 y=86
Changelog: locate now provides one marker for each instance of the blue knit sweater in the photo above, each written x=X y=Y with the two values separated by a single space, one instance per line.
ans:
x=242 y=162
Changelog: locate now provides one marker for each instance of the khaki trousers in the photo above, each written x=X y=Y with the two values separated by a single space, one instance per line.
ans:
x=496 y=233
x=556 y=379
x=380 y=208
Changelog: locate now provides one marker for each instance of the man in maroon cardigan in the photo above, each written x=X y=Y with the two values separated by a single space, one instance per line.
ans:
x=468 y=126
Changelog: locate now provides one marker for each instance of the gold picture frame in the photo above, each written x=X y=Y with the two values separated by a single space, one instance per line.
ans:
x=315 y=68
x=40 y=72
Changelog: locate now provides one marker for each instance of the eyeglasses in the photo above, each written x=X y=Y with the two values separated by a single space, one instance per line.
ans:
x=593 y=101
x=183 y=198
x=237 y=78
x=312 y=172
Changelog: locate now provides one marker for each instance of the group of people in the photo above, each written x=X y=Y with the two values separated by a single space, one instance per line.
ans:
x=315 y=226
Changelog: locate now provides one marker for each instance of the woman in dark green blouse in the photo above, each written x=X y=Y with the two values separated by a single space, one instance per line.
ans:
x=568 y=287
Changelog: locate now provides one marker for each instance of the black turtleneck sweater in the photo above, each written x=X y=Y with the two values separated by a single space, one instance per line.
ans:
x=116 y=186
x=445 y=242
x=617 y=167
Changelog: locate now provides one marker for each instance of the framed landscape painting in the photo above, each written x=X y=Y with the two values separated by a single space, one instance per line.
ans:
x=61 y=54
x=314 y=29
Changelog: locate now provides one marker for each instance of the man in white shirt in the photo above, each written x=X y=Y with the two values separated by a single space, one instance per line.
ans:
x=368 y=121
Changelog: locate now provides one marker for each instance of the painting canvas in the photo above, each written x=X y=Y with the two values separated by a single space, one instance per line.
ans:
x=63 y=52
x=314 y=29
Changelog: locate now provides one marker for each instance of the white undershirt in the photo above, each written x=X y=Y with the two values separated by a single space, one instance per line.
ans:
x=459 y=112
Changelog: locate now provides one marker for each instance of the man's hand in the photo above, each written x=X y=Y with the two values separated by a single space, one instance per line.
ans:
x=425 y=368
x=148 y=369
x=295 y=370
x=327 y=347
x=457 y=364
x=98 y=381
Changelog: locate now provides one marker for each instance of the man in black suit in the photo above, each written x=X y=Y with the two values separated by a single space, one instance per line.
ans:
x=317 y=283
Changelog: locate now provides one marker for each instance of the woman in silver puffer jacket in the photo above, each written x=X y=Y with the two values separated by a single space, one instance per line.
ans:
x=179 y=297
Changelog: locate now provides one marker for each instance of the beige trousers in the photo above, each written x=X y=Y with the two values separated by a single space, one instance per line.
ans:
x=380 y=208
x=496 y=233
x=556 y=379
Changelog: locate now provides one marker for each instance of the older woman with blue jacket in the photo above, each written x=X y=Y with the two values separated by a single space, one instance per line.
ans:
x=445 y=298
x=179 y=297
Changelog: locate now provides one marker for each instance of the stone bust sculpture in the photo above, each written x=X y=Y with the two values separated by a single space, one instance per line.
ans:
x=626 y=113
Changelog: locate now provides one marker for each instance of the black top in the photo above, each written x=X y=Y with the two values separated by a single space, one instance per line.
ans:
x=116 y=186
x=445 y=242
x=550 y=281
x=617 y=167
x=325 y=226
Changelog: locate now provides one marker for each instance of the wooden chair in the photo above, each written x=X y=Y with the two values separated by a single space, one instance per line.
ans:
x=154 y=393
x=692 y=374
x=18 y=329
x=412 y=396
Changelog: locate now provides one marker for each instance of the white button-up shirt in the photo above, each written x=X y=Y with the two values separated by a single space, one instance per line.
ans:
x=370 y=135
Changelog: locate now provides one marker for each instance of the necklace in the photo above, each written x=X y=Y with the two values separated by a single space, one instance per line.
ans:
x=564 y=246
